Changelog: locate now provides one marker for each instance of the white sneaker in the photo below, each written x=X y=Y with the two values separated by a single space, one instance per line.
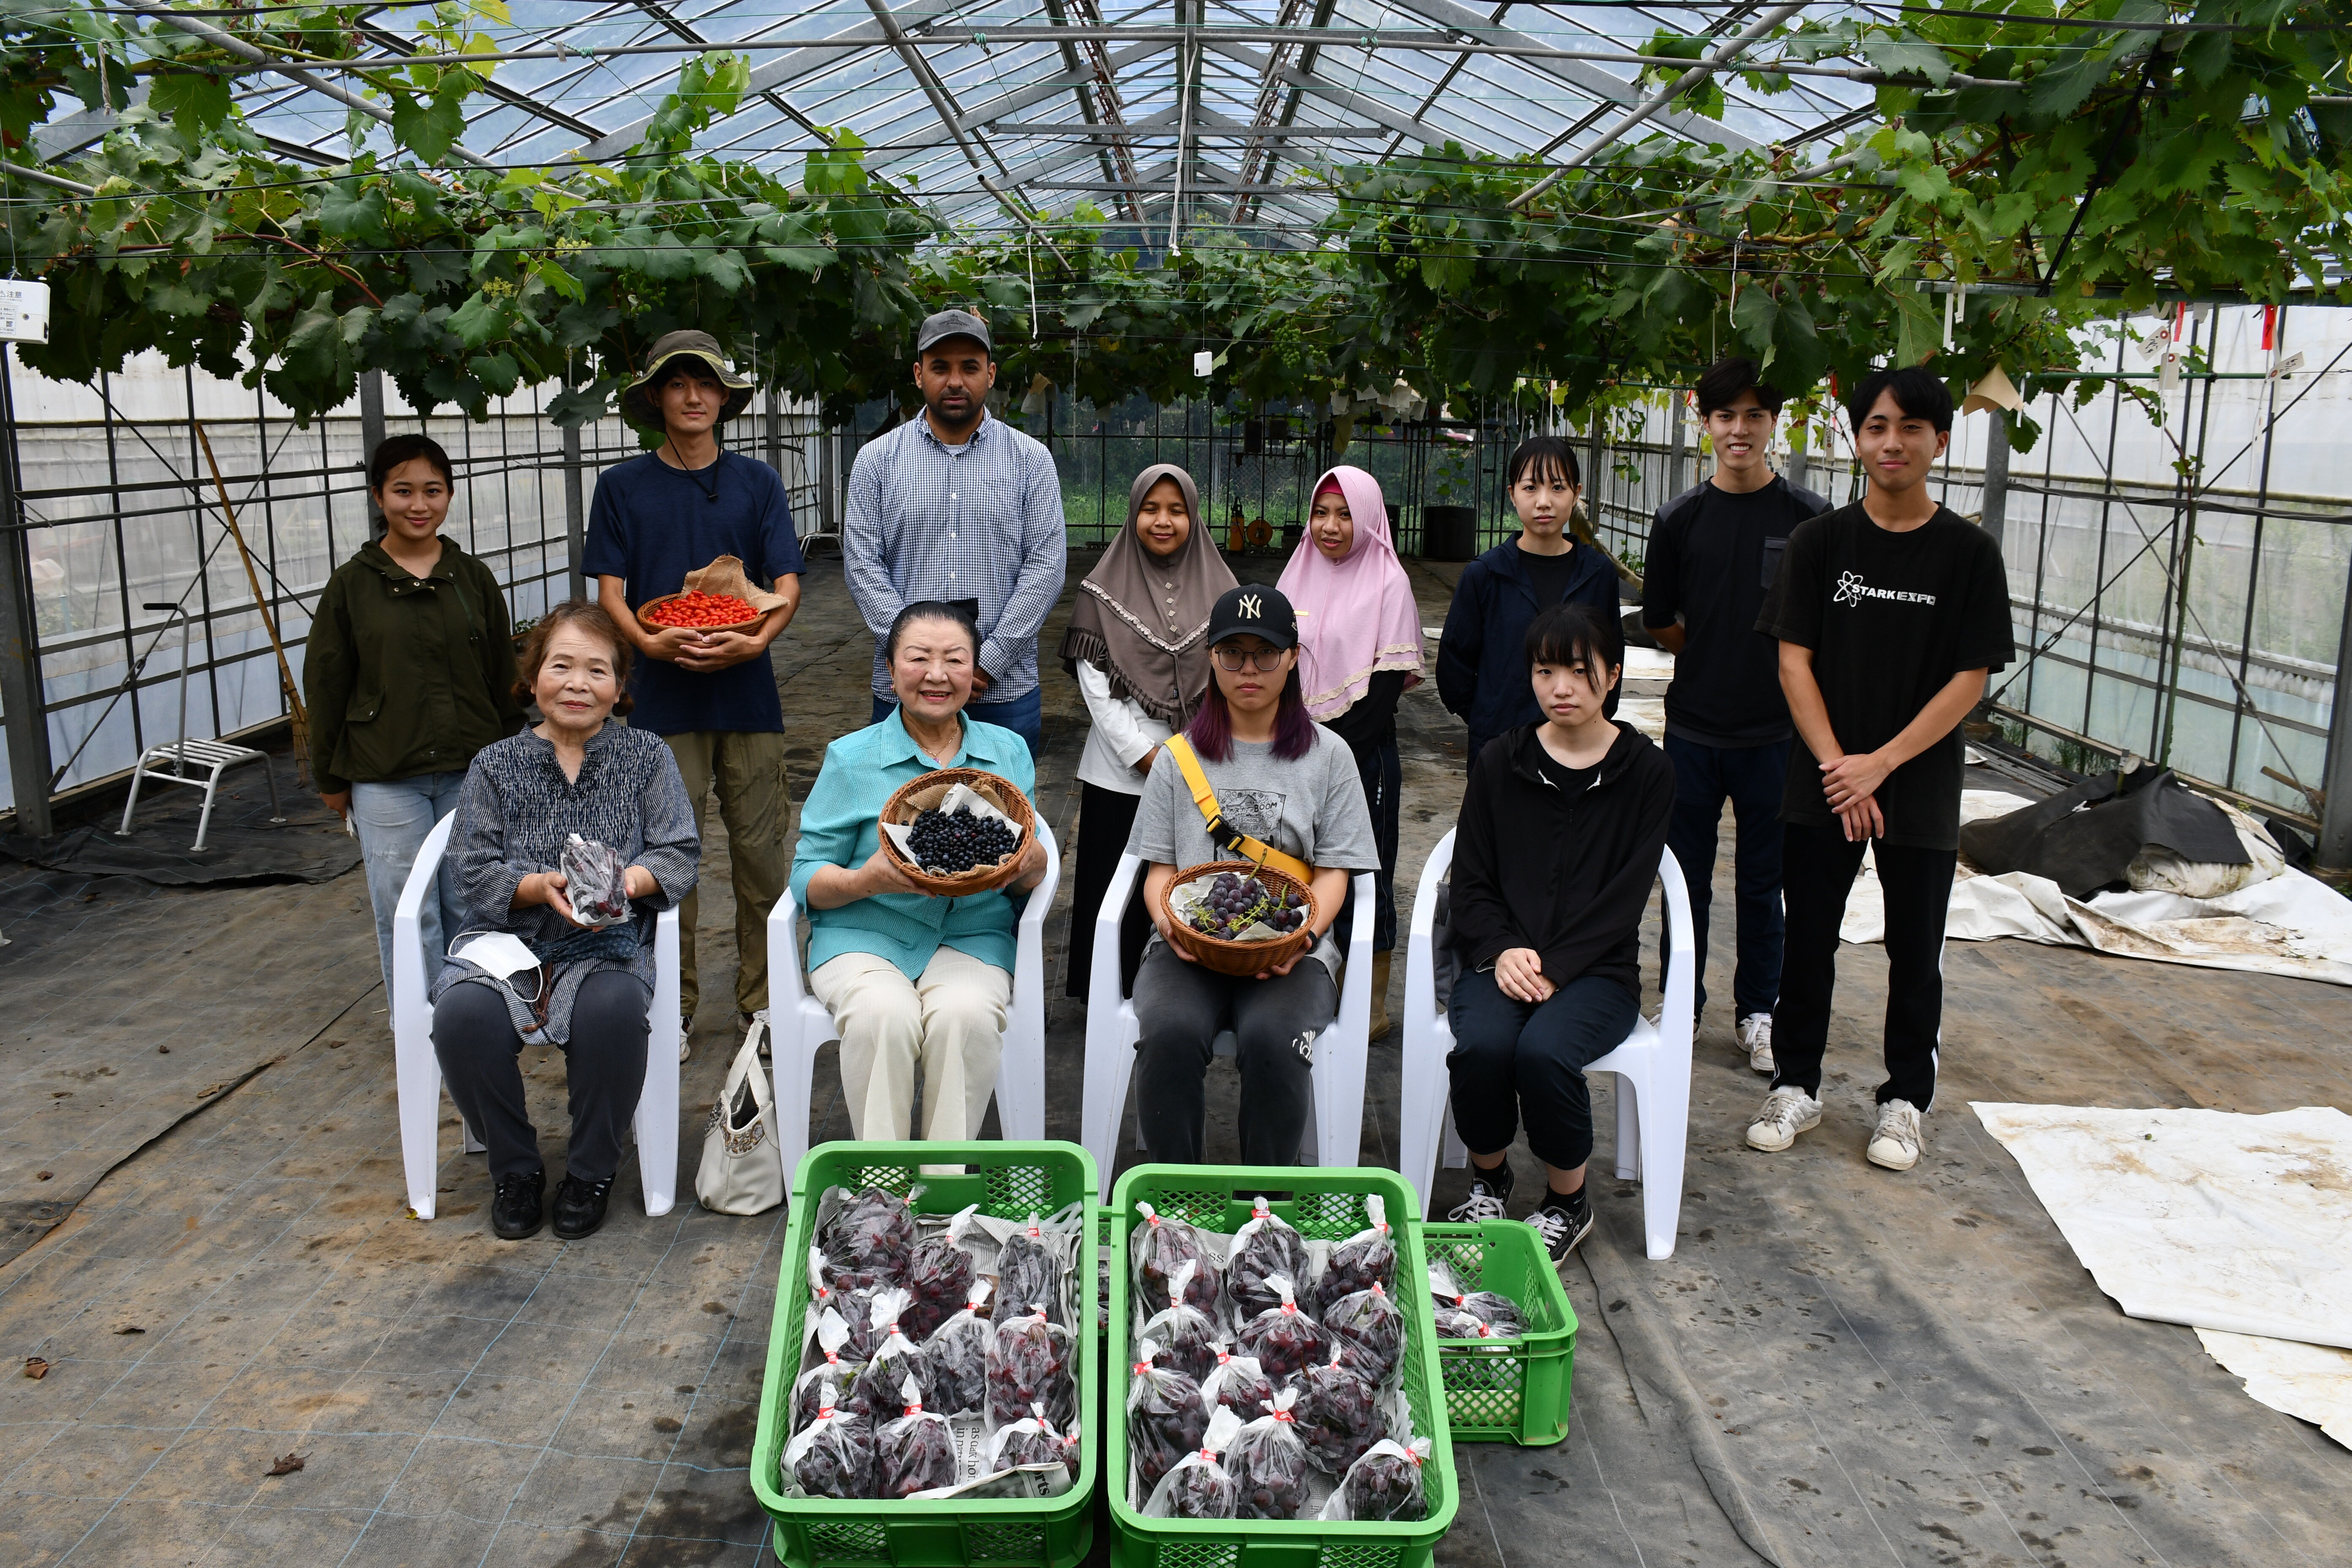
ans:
x=1896 y=1144
x=1787 y=1111
x=1755 y=1032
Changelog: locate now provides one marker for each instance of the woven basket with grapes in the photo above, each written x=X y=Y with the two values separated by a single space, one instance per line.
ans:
x=1206 y=906
x=958 y=853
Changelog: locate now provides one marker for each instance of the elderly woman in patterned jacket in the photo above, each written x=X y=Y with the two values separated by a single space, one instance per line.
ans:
x=584 y=990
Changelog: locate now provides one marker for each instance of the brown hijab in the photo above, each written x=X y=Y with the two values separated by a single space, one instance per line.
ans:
x=1141 y=620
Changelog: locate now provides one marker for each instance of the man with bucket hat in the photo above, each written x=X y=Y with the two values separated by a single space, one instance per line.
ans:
x=954 y=505
x=711 y=695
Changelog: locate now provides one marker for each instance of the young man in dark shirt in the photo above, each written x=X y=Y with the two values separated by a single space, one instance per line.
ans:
x=1714 y=551
x=1890 y=613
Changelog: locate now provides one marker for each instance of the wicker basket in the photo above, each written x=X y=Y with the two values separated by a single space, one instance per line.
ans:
x=646 y=611
x=917 y=795
x=1238 y=957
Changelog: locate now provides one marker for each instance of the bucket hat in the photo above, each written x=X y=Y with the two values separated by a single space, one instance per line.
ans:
x=638 y=402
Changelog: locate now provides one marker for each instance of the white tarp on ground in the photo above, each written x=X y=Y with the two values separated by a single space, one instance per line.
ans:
x=2293 y=924
x=2209 y=1218
x=2311 y=1382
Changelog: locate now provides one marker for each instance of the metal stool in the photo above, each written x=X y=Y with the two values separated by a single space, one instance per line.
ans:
x=186 y=758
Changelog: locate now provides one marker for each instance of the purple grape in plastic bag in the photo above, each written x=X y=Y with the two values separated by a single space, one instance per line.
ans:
x=955 y=1359
x=855 y=1303
x=834 y=1455
x=1386 y=1484
x=940 y=1273
x=810 y=1391
x=1166 y=1417
x=1236 y=1383
x=1186 y=1335
x=1028 y=1276
x=914 y=1453
x=1029 y=1364
x=1162 y=1247
x=875 y=1391
x=1268 y=1463
x=1284 y=1340
x=1339 y=1415
x=1030 y=1441
x=1366 y=1258
x=1367 y=1333
x=1266 y=1245
x=1497 y=1311
x=1199 y=1486
x=871 y=1238
x=595 y=882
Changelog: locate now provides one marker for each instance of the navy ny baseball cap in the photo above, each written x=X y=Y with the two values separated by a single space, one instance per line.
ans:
x=1254 y=608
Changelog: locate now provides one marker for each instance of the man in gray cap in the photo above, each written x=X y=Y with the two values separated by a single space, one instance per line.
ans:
x=711 y=695
x=956 y=505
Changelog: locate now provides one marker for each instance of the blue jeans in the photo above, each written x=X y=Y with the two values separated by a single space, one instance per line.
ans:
x=1750 y=777
x=1023 y=715
x=1514 y=1060
x=393 y=820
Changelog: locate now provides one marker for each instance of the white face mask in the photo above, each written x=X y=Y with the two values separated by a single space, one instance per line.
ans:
x=498 y=952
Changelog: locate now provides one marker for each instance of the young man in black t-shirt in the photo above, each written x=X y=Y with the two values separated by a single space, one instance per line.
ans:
x=1714 y=551
x=1890 y=613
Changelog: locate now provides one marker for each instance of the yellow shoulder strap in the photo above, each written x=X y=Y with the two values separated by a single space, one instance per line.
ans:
x=1219 y=831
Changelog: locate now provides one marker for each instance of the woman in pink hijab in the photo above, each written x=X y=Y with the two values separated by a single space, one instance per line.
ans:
x=1359 y=650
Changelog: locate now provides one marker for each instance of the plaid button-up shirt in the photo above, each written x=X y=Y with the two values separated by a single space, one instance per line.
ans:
x=982 y=522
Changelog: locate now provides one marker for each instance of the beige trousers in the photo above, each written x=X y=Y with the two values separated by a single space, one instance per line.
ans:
x=952 y=1020
x=756 y=805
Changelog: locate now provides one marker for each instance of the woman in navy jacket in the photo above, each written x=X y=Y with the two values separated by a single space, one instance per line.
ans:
x=1482 y=665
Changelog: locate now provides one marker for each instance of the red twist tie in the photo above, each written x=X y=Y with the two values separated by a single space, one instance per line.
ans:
x=824 y=1412
x=914 y=1410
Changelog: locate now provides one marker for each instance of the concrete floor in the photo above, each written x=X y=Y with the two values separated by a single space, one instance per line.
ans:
x=1838 y=1364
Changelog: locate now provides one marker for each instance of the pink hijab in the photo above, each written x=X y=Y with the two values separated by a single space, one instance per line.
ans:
x=1356 y=614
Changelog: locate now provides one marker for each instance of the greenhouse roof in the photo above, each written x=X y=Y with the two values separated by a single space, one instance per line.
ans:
x=1216 y=109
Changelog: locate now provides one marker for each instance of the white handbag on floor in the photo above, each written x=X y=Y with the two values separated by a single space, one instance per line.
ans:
x=743 y=1167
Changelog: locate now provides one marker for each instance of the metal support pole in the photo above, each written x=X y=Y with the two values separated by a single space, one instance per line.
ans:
x=1995 y=513
x=575 y=515
x=370 y=438
x=21 y=692
x=1677 y=446
x=2336 y=786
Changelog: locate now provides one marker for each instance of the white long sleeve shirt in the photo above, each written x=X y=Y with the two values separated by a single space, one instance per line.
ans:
x=1123 y=736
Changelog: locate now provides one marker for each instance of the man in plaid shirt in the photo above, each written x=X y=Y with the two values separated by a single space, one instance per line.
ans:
x=958 y=506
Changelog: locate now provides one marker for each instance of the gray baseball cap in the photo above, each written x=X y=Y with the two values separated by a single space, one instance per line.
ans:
x=949 y=324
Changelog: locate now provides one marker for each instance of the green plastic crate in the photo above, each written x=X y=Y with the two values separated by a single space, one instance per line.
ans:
x=1507 y=1391
x=1009 y=1181
x=1328 y=1204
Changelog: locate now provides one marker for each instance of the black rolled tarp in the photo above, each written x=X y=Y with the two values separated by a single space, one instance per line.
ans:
x=2084 y=838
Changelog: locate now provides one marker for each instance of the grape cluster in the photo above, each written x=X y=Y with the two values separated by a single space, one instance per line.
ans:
x=1235 y=902
x=948 y=844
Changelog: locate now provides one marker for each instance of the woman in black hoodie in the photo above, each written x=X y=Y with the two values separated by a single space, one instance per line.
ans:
x=1553 y=857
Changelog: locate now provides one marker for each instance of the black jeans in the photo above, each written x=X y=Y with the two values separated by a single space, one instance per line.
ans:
x=605 y=1068
x=1750 y=777
x=1182 y=1008
x=1513 y=1060
x=1105 y=816
x=1818 y=868
x=1381 y=771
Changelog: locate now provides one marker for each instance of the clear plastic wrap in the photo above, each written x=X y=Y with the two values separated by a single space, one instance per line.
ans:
x=1364 y=1260
x=595 y=882
x=1237 y=1383
x=1162 y=1247
x=1453 y=1324
x=1166 y=1417
x=1497 y=1311
x=1283 y=1338
x=914 y=1453
x=870 y=1238
x=855 y=1303
x=1029 y=1364
x=1185 y=1335
x=1268 y=1463
x=833 y=1454
x=1367 y=1333
x=1197 y=1486
x=955 y=1358
x=808 y=1391
x=896 y=1358
x=1266 y=1245
x=1028 y=1276
x=940 y=1273
x=1339 y=1415
x=1385 y=1484
x=1030 y=1440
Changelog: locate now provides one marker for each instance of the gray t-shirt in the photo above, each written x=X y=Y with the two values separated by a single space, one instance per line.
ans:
x=1312 y=808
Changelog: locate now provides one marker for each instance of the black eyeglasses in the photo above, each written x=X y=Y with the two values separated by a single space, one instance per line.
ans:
x=1232 y=661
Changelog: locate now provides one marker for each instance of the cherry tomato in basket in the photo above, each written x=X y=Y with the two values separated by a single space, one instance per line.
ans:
x=697 y=610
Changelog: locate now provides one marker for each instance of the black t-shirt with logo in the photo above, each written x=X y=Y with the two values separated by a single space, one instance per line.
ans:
x=1712 y=556
x=1891 y=617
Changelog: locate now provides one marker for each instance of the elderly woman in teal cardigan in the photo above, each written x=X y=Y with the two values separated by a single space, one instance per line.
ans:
x=911 y=979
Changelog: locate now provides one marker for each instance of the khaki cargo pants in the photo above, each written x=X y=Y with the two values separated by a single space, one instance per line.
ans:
x=757 y=807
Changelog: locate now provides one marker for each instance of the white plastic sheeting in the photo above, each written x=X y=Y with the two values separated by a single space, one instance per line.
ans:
x=2310 y=1383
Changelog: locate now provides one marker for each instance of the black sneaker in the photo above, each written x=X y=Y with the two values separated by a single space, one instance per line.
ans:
x=1559 y=1224
x=1490 y=1195
x=517 y=1208
x=580 y=1207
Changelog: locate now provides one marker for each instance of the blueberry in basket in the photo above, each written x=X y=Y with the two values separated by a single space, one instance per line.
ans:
x=948 y=844
x=1235 y=903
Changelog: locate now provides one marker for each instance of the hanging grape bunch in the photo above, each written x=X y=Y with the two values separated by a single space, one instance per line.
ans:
x=948 y=844
x=1235 y=902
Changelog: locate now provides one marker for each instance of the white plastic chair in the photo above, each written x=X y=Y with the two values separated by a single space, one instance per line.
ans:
x=1335 y=1129
x=1653 y=1066
x=798 y=1022
x=419 y=1071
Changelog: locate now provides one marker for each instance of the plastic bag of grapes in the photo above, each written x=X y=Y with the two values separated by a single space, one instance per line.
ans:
x=1197 y=1486
x=808 y=1391
x=1030 y=1440
x=1339 y=1415
x=956 y=1357
x=1385 y=1484
x=834 y=1455
x=1160 y=1247
x=938 y=1276
x=871 y=1238
x=1367 y=1333
x=1496 y=1312
x=1233 y=907
x=595 y=882
x=914 y=1453
x=1268 y=1463
x=1364 y=1260
x=1029 y=1364
x=854 y=1303
x=1284 y=1339
x=1166 y=1417
x=1236 y=1382
x=1453 y=1324
x=1029 y=1275
x=1266 y=1244
x=1185 y=1335
x=896 y=1358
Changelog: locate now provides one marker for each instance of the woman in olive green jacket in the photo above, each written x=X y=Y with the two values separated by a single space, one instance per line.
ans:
x=409 y=670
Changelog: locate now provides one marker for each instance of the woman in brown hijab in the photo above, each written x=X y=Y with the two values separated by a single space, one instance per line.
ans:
x=1137 y=643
